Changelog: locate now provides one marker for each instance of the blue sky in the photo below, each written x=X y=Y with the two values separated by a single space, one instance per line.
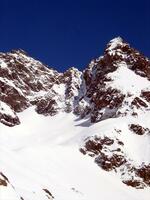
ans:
x=70 y=33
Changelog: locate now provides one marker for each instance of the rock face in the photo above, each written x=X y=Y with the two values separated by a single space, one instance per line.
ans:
x=110 y=155
x=116 y=84
x=25 y=82
x=100 y=91
x=7 y=115
x=108 y=91
x=137 y=129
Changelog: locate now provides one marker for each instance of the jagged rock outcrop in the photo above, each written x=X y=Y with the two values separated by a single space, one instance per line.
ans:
x=96 y=92
x=7 y=115
x=107 y=91
x=138 y=129
x=25 y=82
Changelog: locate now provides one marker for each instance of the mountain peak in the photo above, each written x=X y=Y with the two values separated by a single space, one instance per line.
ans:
x=116 y=45
x=115 y=42
x=114 y=88
x=19 y=51
x=73 y=69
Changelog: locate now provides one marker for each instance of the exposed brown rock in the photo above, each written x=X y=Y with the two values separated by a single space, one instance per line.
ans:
x=144 y=173
x=94 y=147
x=49 y=195
x=109 y=163
x=136 y=128
x=134 y=183
x=46 y=107
x=3 y=182
x=146 y=95
x=8 y=120
x=139 y=102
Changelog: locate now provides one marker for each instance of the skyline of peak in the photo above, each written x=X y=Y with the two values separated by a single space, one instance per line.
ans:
x=64 y=33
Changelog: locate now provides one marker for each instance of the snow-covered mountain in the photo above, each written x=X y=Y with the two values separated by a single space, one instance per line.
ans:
x=75 y=135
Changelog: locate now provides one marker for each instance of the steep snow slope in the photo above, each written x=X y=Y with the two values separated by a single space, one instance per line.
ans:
x=43 y=153
x=75 y=135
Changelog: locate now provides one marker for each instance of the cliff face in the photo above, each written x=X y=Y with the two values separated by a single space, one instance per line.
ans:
x=103 y=113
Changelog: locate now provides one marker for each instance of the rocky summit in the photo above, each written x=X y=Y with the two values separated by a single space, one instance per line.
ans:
x=76 y=135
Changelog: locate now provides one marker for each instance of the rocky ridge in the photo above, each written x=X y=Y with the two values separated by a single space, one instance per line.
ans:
x=114 y=85
x=26 y=82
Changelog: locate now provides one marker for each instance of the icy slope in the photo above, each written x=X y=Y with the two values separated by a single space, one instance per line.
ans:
x=43 y=153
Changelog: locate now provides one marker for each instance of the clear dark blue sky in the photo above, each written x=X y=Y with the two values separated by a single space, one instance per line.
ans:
x=63 y=33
